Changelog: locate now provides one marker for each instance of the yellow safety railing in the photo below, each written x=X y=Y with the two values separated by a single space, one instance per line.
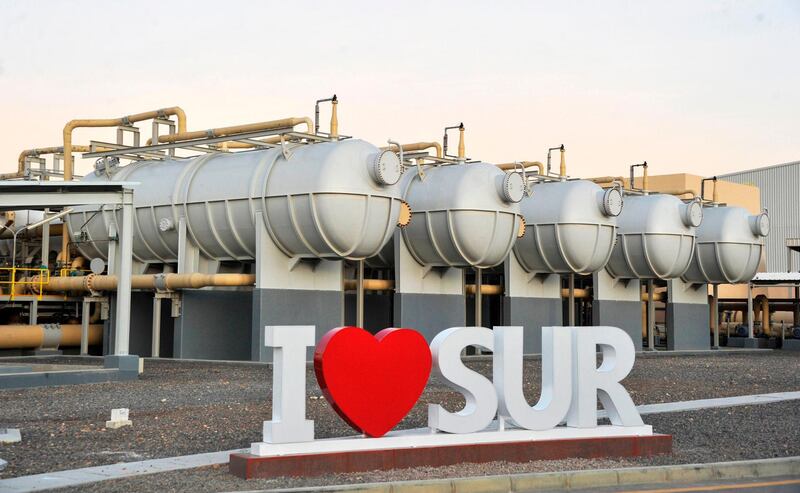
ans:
x=41 y=276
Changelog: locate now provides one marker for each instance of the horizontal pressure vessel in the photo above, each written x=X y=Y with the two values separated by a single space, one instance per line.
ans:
x=655 y=237
x=729 y=245
x=570 y=227
x=326 y=200
x=462 y=215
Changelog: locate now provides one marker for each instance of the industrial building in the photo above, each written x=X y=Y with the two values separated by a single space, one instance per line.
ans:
x=283 y=222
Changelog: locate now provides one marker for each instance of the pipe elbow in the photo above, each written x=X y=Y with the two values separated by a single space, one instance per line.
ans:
x=179 y=114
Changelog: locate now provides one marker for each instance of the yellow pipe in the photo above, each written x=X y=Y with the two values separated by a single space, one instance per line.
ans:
x=657 y=296
x=334 y=118
x=40 y=151
x=763 y=311
x=678 y=192
x=246 y=145
x=32 y=336
x=78 y=263
x=489 y=289
x=114 y=122
x=416 y=146
x=524 y=164
x=235 y=129
x=606 y=179
x=578 y=293
x=644 y=180
x=94 y=282
x=563 y=169
x=370 y=284
x=462 y=154
x=714 y=196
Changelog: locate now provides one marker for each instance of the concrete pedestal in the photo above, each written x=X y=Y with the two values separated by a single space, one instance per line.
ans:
x=791 y=344
x=429 y=314
x=627 y=315
x=531 y=301
x=687 y=316
x=618 y=303
x=322 y=309
x=427 y=299
x=293 y=291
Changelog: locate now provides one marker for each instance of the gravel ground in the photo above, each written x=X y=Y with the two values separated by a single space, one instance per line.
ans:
x=713 y=435
x=182 y=408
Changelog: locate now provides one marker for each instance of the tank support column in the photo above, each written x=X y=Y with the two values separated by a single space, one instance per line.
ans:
x=123 y=320
x=122 y=247
x=750 y=341
x=531 y=301
x=188 y=253
x=715 y=315
x=293 y=291
x=687 y=315
x=618 y=303
x=428 y=299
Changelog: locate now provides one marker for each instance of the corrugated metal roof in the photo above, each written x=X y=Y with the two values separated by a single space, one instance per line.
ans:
x=777 y=277
x=772 y=166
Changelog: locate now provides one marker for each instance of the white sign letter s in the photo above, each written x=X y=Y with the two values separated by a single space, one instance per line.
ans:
x=289 y=423
x=481 y=406
x=591 y=383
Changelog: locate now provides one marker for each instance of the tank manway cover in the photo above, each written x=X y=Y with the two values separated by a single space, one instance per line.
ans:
x=387 y=168
x=694 y=214
x=612 y=202
x=513 y=187
x=760 y=225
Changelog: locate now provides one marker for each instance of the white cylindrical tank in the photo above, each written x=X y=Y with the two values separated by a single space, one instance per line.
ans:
x=655 y=237
x=462 y=215
x=570 y=227
x=729 y=245
x=328 y=200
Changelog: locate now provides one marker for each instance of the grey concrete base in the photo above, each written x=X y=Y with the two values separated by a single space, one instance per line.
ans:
x=687 y=326
x=429 y=314
x=322 y=309
x=532 y=314
x=14 y=369
x=751 y=343
x=125 y=363
x=627 y=315
x=214 y=324
x=791 y=344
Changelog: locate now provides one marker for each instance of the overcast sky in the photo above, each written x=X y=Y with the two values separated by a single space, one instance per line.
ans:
x=700 y=87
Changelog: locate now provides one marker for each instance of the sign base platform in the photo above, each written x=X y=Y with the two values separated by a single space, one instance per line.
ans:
x=406 y=450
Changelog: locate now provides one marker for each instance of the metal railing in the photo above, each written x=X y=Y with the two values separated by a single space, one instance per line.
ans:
x=37 y=276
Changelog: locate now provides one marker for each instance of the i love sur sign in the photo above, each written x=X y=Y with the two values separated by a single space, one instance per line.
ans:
x=374 y=381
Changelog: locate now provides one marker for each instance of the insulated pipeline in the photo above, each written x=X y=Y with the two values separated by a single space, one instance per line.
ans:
x=46 y=335
x=94 y=282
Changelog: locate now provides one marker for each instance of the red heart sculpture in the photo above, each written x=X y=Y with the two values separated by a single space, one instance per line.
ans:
x=372 y=381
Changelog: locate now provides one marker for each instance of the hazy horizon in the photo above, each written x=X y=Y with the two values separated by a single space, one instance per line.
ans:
x=697 y=87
